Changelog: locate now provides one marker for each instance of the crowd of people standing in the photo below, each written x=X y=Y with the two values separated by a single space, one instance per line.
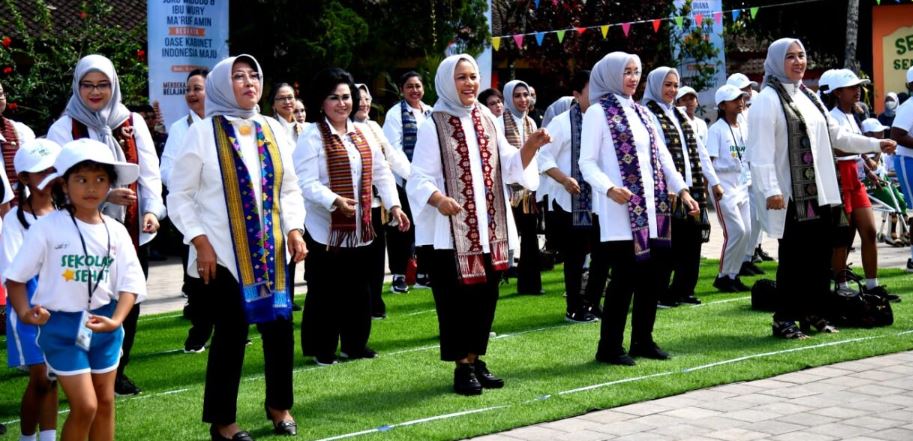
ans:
x=449 y=192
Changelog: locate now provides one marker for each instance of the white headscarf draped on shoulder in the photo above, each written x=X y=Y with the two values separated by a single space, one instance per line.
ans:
x=775 y=63
x=653 y=91
x=509 y=97
x=108 y=118
x=608 y=74
x=220 y=95
x=448 y=97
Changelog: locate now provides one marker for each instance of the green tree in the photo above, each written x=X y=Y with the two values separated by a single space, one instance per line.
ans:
x=38 y=65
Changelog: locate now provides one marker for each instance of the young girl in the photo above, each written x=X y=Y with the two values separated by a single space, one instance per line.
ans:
x=34 y=162
x=726 y=141
x=90 y=279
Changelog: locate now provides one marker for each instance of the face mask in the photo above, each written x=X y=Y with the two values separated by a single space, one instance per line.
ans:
x=890 y=105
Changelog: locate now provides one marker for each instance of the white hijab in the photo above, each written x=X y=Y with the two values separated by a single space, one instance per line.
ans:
x=654 y=88
x=607 y=75
x=108 y=118
x=775 y=63
x=509 y=97
x=362 y=89
x=448 y=97
x=220 y=94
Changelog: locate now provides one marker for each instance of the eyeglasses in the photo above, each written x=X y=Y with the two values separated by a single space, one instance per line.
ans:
x=285 y=99
x=240 y=77
x=101 y=87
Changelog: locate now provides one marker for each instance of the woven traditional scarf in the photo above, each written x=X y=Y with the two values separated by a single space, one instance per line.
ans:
x=677 y=150
x=9 y=148
x=343 y=229
x=124 y=135
x=256 y=229
x=464 y=226
x=519 y=196
x=801 y=159
x=581 y=204
x=410 y=128
x=626 y=152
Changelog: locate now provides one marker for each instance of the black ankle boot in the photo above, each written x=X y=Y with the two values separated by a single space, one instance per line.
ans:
x=465 y=381
x=485 y=377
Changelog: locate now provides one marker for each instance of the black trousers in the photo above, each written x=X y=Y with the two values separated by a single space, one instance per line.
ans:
x=378 y=254
x=401 y=245
x=337 y=307
x=464 y=312
x=598 y=274
x=804 y=274
x=197 y=310
x=629 y=279
x=574 y=243
x=529 y=275
x=686 y=258
x=132 y=319
x=226 y=354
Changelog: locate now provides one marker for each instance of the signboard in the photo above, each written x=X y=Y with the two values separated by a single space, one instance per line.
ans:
x=706 y=8
x=183 y=35
x=892 y=51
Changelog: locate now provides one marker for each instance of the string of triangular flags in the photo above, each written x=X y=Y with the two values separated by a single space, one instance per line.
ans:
x=656 y=23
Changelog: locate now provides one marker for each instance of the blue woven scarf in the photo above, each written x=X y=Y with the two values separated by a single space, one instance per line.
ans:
x=581 y=204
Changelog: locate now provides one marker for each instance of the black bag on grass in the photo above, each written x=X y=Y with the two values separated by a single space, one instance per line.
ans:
x=857 y=309
x=763 y=293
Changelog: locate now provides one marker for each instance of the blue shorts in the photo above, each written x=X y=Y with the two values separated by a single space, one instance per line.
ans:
x=57 y=339
x=21 y=338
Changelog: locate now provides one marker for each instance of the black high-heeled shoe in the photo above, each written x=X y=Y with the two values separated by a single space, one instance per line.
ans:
x=284 y=427
x=239 y=436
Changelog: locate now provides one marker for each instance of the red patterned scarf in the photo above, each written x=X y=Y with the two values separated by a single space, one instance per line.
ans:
x=464 y=227
x=124 y=136
x=9 y=148
x=343 y=230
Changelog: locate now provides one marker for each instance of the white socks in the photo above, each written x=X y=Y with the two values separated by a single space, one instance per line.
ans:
x=47 y=435
x=871 y=283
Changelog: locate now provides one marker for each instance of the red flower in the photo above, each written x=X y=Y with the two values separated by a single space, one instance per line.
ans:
x=83 y=15
x=140 y=54
x=12 y=106
x=7 y=41
x=7 y=70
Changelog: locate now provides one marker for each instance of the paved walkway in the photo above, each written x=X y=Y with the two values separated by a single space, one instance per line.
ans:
x=862 y=400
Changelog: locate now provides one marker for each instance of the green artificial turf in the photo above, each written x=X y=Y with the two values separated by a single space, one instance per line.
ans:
x=547 y=363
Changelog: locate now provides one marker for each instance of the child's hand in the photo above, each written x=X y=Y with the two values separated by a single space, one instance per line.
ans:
x=100 y=323
x=35 y=316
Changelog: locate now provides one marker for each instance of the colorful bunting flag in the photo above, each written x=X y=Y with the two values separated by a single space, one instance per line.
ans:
x=519 y=40
x=718 y=18
x=679 y=20
x=754 y=12
x=698 y=20
x=626 y=27
x=580 y=31
x=656 y=24
x=496 y=43
x=735 y=14
x=560 y=35
x=605 y=31
x=539 y=37
x=536 y=3
x=555 y=3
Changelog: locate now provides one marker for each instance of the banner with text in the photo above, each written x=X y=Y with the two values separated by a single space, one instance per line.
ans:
x=892 y=50
x=703 y=10
x=183 y=35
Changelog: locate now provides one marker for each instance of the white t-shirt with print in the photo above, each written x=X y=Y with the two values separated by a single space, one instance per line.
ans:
x=52 y=249
x=12 y=237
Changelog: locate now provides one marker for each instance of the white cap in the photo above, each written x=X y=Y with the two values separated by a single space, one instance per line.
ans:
x=36 y=156
x=728 y=92
x=844 y=78
x=824 y=82
x=872 y=125
x=910 y=75
x=740 y=81
x=86 y=149
x=685 y=90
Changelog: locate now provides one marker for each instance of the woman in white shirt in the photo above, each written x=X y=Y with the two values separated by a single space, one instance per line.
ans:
x=338 y=162
x=631 y=173
x=693 y=163
x=516 y=125
x=790 y=139
x=235 y=198
x=457 y=192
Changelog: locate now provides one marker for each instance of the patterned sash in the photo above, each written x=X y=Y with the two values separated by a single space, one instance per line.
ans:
x=9 y=148
x=581 y=204
x=519 y=196
x=124 y=134
x=410 y=129
x=343 y=229
x=464 y=226
x=626 y=152
x=674 y=143
x=256 y=226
